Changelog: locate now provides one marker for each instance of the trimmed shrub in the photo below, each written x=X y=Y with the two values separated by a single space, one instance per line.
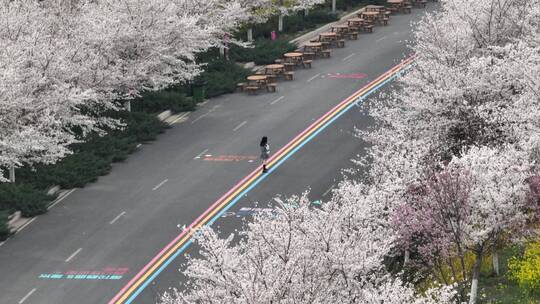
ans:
x=24 y=198
x=94 y=157
x=264 y=51
x=4 y=229
x=221 y=76
x=169 y=99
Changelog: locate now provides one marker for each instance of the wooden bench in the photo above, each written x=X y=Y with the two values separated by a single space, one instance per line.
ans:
x=289 y=66
x=407 y=9
x=341 y=43
x=326 y=53
x=385 y=20
x=289 y=75
x=251 y=90
x=278 y=61
x=271 y=87
x=271 y=78
x=307 y=63
x=368 y=28
x=241 y=86
x=353 y=35
x=309 y=55
x=314 y=40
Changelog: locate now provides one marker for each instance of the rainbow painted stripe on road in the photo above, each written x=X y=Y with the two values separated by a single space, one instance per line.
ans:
x=151 y=270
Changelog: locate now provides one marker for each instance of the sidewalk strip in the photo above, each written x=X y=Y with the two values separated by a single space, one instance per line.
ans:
x=151 y=270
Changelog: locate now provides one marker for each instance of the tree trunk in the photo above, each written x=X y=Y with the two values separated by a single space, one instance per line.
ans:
x=306 y=12
x=127 y=105
x=333 y=6
x=406 y=258
x=495 y=260
x=475 y=276
x=280 y=23
x=250 y=34
x=12 y=174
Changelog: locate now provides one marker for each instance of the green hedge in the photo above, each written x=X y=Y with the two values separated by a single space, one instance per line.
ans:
x=173 y=99
x=4 y=229
x=264 y=51
x=24 y=198
x=221 y=76
x=94 y=157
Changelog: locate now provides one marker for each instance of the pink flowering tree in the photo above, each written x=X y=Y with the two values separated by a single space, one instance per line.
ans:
x=332 y=254
x=473 y=204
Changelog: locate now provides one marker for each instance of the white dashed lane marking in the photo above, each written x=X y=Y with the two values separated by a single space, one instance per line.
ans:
x=27 y=296
x=73 y=255
x=159 y=185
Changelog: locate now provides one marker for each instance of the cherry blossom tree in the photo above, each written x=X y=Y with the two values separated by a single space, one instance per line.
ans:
x=331 y=254
x=287 y=7
x=65 y=63
x=471 y=97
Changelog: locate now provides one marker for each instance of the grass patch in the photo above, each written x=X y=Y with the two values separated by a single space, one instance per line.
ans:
x=501 y=289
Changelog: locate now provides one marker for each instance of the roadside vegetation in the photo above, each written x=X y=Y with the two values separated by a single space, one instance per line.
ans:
x=447 y=206
x=92 y=155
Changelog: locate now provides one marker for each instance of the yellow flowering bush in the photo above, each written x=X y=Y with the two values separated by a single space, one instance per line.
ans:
x=526 y=270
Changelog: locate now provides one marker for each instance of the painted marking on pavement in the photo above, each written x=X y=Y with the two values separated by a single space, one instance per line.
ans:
x=240 y=125
x=172 y=250
x=27 y=295
x=206 y=114
x=159 y=185
x=198 y=118
x=117 y=217
x=329 y=189
x=229 y=158
x=348 y=76
x=278 y=99
x=312 y=78
x=139 y=145
x=2 y=243
x=200 y=154
x=109 y=273
x=179 y=118
x=380 y=39
x=61 y=198
x=26 y=224
x=348 y=57
x=73 y=255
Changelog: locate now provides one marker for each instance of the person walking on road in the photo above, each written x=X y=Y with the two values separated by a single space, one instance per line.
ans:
x=265 y=152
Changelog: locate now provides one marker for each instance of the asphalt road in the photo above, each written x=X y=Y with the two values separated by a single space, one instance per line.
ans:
x=93 y=242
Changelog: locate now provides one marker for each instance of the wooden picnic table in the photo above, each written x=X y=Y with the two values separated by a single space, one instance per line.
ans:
x=376 y=8
x=341 y=28
x=293 y=55
x=313 y=46
x=355 y=21
x=260 y=79
x=395 y=2
x=328 y=36
x=275 y=68
x=369 y=14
